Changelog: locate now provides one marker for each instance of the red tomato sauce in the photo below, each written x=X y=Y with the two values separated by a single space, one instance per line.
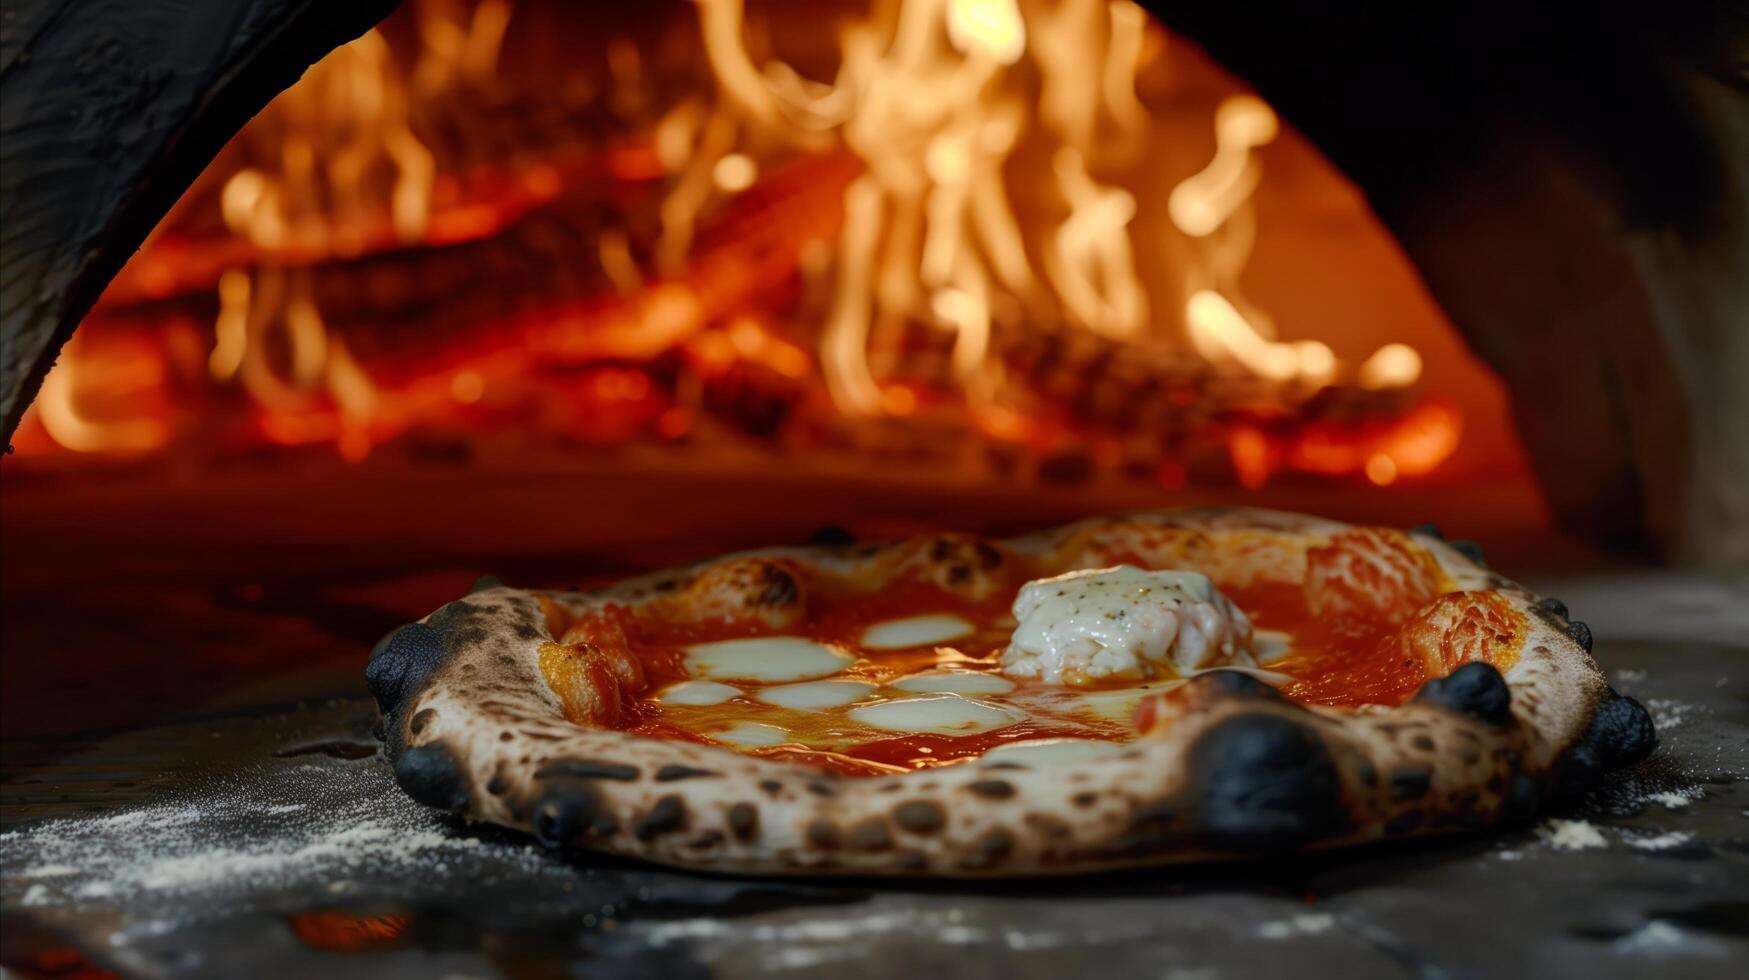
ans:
x=1344 y=663
x=1338 y=662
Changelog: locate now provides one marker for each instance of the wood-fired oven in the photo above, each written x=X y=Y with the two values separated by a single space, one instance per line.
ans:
x=315 y=311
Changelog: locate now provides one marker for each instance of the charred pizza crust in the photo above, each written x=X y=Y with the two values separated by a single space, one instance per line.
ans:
x=473 y=728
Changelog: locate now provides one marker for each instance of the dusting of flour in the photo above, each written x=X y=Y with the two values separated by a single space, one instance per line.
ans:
x=1570 y=835
x=1675 y=799
x=1661 y=842
x=291 y=829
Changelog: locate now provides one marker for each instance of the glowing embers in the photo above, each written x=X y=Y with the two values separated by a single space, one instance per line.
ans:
x=337 y=931
x=1383 y=448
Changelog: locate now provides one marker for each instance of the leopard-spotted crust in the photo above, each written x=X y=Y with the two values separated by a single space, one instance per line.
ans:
x=474 y=729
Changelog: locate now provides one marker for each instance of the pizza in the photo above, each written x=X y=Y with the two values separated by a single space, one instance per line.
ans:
x=1138 y=689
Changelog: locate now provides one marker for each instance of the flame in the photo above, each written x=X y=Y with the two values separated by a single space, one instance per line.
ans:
x=1215 y=206
x=987 y=28
x=967 y=179
x=355 y=102
x=1391 y=366
x=735 y=172
x=930 y=235
x=1220 y=333
x=350 y=101
x=1203 y=203
x=231 y=328
x=1091 y=263
x=59 y=403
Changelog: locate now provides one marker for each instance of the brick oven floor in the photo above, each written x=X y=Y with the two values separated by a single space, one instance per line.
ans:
x=271 y=841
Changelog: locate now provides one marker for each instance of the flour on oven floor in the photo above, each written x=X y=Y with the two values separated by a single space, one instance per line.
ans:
x=331 y=826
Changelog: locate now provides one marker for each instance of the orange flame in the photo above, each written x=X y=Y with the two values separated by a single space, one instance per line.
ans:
x=930 y=235
x=1214 y=206
x=960 y=178
x=59 y=403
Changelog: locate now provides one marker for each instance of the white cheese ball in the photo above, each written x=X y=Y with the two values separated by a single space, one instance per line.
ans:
x=1124 y=623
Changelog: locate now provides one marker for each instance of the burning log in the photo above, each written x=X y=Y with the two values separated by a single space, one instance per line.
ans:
x=111 y=111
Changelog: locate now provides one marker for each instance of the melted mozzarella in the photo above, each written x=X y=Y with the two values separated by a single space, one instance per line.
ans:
x=1271 y=645
x=939 y=714
x=765 y=658
x=1119 y=705
x=752 y=733
x=917 y=631
x=1049 y=750
x=1273 y=678
x=1123 y=622
x=943 y=682
x=698 y=692
x=814 y=695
